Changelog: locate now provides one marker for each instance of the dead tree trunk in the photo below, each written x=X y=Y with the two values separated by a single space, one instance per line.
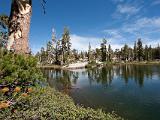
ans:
x=19 y=26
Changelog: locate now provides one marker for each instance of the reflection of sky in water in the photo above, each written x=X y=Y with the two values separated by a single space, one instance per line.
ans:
x=131 y=91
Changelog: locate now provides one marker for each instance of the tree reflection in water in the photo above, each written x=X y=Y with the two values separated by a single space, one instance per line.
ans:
x=65 y=80
x=61 y=79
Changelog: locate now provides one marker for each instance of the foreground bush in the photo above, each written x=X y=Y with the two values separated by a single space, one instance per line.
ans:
x=21 y=97
x=18 y=70
x=48 y=104
x=18 y=75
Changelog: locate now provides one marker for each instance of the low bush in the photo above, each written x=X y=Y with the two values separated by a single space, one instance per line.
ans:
x=48 y=104
x=22 y=98
x=18 y=75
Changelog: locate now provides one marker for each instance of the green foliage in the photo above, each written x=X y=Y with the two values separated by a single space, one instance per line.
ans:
x=18 y=75
x=48 y=104
x=66 y=46
x=18 y=69
x=57 y=51
x=89 y=53
x=3 y=30
x=61 y=53
x=146 y=53
x=92 y=64
x=140 y=50
x=110 y=53
x=20 y=100
x=125 y=52
x=4 y=20
x=103 y=50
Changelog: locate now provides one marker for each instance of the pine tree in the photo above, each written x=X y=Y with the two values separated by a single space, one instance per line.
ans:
x=146 y=53
x=157 y=52
x=125 y=52
x=130 y=54
x=58 y=53
x=75 y=55
x=98 y=54
x=89 y=53
x=140 y=54
x=150 y=53
x=135 y=51
x=103 y=50
x=43 y=56
x=118 y=54
x=49 y=52
x=110 y=51
x=66 y=46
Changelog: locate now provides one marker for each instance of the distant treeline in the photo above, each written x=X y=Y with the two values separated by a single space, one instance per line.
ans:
x=59 y=52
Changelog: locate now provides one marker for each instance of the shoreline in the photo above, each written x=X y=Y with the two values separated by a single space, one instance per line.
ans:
x=138 y=63
x=95 y=65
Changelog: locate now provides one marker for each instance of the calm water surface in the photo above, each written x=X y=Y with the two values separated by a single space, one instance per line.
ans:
x=132 y=91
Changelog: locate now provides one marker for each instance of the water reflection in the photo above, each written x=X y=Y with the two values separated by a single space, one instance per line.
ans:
x=65 y=80
x=132 y=91
x=61 y=79
x=103 y=76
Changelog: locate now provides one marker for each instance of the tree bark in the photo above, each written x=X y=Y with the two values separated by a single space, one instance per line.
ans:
x=19 y=26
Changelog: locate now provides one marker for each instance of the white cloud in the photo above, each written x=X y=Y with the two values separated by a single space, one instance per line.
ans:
x=127 y=9
x=153 y=43
x=156 y=2
x=118 y=1
x=146 y=28
x=143 y=26
x=116 y=46
x=81 y=42
x=113 y=33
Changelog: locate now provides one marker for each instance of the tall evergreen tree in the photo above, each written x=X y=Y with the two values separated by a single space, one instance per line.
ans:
x=58 y=53
x=150 y=50
x=117 y=54
x=66 y=46
x=98 y=54
x=135 y=51
x=49 y=52
x=110 y=51
x=157 y=52
x=125 y=52
x=140 y=54
x=89 y=53
x=146 y=53
x=43 y=56
x=103 y=50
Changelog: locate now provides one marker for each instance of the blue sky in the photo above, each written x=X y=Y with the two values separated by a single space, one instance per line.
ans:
x=120 y=21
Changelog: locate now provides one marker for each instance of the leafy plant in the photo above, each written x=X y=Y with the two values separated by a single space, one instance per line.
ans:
x=48 y=104
x=18 y=75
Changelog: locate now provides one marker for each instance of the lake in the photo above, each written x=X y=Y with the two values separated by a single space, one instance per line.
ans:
x=132 y=91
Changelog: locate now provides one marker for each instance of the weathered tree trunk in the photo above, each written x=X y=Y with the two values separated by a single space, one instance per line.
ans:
x=19 y=26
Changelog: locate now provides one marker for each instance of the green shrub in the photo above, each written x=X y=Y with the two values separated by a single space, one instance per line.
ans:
x=18 y=75
x=92 y=64
x=48 y=104
x=21 y=100
x=18 y=70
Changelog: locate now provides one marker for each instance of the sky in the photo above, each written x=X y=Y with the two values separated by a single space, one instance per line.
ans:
x=89 y=21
